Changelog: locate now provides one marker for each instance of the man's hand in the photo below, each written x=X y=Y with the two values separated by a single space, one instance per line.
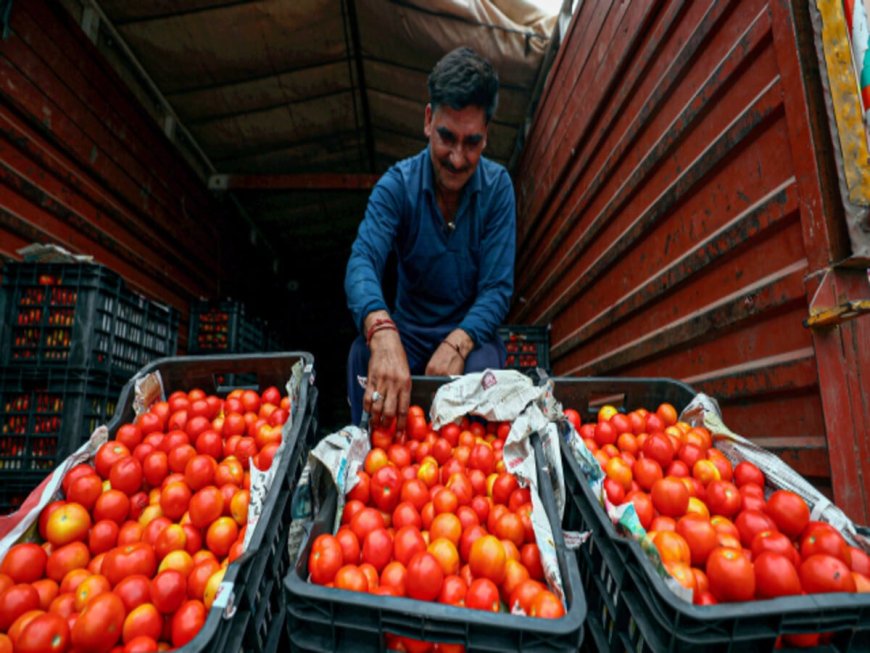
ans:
x=388 y=375
x=449 y=357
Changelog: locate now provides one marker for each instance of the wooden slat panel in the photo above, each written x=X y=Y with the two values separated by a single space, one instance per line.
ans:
x=669 y=223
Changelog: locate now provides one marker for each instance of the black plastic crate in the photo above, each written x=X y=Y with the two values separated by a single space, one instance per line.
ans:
x=223 y=326
x=15 y=489
x=82 y=315
x=325 y=619
x=255 y=609
x=631 y=608
x=47 y=414
x=528 y=347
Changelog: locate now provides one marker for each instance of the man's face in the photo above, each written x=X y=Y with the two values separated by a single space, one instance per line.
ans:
x=456 y=141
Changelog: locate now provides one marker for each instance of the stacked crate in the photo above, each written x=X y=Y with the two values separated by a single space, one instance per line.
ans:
x=224 y=327
x=71 y=334
x=527 y=346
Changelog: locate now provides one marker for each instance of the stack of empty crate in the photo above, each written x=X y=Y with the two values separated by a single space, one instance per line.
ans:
x=71 y=334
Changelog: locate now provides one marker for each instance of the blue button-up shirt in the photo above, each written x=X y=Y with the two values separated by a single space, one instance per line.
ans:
x=447 y=278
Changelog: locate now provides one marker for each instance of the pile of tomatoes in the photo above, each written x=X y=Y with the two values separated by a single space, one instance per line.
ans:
x=715 y=531
x=437 y=518
x=132 y=557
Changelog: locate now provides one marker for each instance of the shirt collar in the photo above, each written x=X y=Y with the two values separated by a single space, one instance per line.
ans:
x=471 y=188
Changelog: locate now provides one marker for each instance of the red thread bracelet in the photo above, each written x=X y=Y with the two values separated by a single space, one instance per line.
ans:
x=381 y=324
x=455 y=346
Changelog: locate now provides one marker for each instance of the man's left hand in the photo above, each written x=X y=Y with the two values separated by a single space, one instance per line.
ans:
x=449 y=357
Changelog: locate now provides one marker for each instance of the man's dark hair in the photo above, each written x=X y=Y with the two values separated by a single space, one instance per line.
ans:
x=463 y=78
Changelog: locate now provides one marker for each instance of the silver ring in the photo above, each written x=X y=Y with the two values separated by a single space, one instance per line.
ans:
x=376 y=397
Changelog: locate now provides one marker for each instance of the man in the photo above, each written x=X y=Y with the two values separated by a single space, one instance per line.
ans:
x=449 y=215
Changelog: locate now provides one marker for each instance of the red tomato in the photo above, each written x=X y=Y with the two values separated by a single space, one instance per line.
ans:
x=482 y=594
x=364 y=521
x=546 y=605
x=198 y=578
x=775 y=542
x=860 y=561
x=221 y=534
x=85 y=490
x=98 y=627
x=503 y=487
x=350 y=548
x=351 y=578
x=168 y=590
x=407 y=542
x=723 y=498
x=46 y=513
x=325 y=559
x=670 y=497
x=114 y=505
x=775 y=575
x=424 y=577
x=143 y=621
x=123 y=561
x=24 y=563
x=385 y=488
x=750 y=523
x=155 y=468
x=175 y=499
x=394 y=576
x=103 y=536
x=821 y=572
x=206 y=506
x=210 y=443
x=187 y=622
x=47 y=590
x=126 y=475
x=134 y=591
x=141 y=644
x=789 y=512
x=82 y=469
x=74 y=555
x=45 y=633
x=487 y=558
x=746 y=472
x=15 y=601
x=107 y=455
x=699 y=535
x=825 y=540
x=92 y=586
x=731 y=575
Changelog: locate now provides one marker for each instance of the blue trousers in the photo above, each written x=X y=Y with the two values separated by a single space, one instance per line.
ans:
x=489 y=355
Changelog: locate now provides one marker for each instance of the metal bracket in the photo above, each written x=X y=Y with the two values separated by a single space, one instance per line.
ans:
x=828 y=307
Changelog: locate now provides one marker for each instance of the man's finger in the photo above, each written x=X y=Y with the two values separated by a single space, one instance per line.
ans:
x=404 y=403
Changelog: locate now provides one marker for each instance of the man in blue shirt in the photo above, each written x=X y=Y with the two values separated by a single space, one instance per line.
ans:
x=449 y=215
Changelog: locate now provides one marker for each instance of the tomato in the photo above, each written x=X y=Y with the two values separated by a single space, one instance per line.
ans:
x=126 y=475
x=138 y=502
x=406 y=514
x=107 y=455
x=114 y=505
x=394 y=576
x=46 y=513
x=171 y=538
x=670 y=497
x=92 y=586
x=168 y=590
x=750 y=523
x=385 y=488
x=546 y=605
x=143 y=621
x=85 y=490
x=482 y=594
x=103 y=536
x=24 y=563
x=377 y=549
x=487 y=559
x=821 y=572
x=424 y=576
x=746 y=472
x=407 y=542
x=445 y=525
x=731 y=575
x=141 y=644
x=220 y=535
x=187 y=622
x=47 y=590
x=415 y=492
x=366 y=520
x=74 y=555
x=155 y=468
x=446 y=554
x=775 y=575
x=525 y=594
x=209 y=443
x=134 y=591
x=46 y=633
x=723 y=498
x=206 y=506
x=453 y=591
x=860 y=561
x=153 y=529
x=175 y=499
x=15 y=601
x=99 y=625
x=789 y=512
x=123 y=561
x=325 y=559
x=775 y=542
x=350 y=548
x=69 y=523
x=672 y=547
x=700 y=535
x=825 y=540
x=502 y=488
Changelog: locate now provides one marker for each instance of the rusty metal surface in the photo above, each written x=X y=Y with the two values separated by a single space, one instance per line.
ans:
x=669 y=220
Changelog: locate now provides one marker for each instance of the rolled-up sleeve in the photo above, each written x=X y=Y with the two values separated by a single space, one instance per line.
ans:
x=375 y=238
x=496 y=279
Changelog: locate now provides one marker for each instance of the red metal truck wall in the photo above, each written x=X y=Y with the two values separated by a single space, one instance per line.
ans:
x=82 y=165
x=670 y=214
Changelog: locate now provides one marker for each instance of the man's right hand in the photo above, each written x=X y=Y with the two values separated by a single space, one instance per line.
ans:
x=389 y=376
